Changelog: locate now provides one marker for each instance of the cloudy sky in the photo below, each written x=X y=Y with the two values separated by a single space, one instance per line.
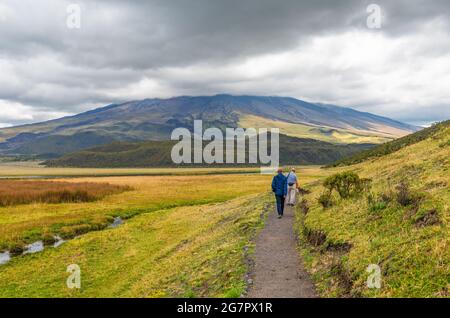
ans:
x=320 y=51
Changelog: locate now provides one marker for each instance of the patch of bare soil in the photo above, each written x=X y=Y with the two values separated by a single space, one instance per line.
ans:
x=430 y=218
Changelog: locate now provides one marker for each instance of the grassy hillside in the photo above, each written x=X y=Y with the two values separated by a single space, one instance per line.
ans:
x=293 y=151
x=400 y=223
x=331 y=135
x=54 y=146
x=393 y=146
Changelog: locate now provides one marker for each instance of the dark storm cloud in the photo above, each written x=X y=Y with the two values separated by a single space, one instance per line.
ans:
x=136 y=49
x=143 y=34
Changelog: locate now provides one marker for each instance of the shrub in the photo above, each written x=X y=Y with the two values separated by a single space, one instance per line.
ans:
x=325 y=199
x=347 y=184
x=404 y=196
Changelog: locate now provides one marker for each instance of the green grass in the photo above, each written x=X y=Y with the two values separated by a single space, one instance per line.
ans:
x=414 y=259
x=193 y=251
x=395 y=145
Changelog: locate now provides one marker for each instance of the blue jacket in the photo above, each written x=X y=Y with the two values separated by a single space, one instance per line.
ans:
x=279 y=185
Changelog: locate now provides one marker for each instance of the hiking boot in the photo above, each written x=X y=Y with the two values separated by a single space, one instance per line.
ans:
x=279 y=216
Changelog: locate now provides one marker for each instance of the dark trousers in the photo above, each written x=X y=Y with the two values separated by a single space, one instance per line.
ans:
x=280 y=204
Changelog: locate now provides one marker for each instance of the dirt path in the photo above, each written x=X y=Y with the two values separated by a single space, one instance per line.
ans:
x=278 y=272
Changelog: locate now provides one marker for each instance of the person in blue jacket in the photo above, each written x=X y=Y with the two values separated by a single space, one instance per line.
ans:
x=279 y=188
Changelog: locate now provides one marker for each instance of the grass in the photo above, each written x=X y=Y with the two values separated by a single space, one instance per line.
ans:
x=33 y=169
x=14 y=192
x=185 y=236
x=395 y=145
x=189 y=235
x=402 y=228
x=319 y=133
x=196 y=251
x=20 y=225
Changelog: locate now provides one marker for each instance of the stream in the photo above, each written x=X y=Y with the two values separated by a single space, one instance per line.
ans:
x=39 y=246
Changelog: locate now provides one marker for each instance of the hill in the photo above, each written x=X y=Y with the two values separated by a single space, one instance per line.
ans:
x=155 y=119
x=158 y=154
x=398 y=224
x=393 y=146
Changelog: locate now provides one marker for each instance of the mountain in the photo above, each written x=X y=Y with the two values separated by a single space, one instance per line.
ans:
x=293 y=151
x=154 y=119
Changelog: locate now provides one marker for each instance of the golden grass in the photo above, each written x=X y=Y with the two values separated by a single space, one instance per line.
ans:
x=14 y=192
x=319 y=133
x=33 y=169
x=25 y=223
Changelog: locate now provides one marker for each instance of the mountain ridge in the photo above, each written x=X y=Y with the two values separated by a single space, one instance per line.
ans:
x=155 y=119
x=149 y=154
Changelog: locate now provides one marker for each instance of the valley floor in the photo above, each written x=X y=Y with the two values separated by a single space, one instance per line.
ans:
x=190 y=251
x=194 y=235
x=183 y=236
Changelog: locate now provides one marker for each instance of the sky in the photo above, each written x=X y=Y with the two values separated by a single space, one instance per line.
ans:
x=319 y=51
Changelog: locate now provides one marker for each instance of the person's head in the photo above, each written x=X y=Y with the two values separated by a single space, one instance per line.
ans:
x=293 y=169
x=280 y=170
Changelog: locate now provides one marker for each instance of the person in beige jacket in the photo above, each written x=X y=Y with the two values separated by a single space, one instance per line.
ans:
x=292 y=187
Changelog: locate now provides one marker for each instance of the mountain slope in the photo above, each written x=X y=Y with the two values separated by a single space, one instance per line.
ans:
x=400 y=224
x=327 y=134
x=293 y=151
x=154 y=119
x=394 y=145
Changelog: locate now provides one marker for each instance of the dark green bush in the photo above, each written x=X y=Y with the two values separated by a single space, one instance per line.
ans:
x=347 y=184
